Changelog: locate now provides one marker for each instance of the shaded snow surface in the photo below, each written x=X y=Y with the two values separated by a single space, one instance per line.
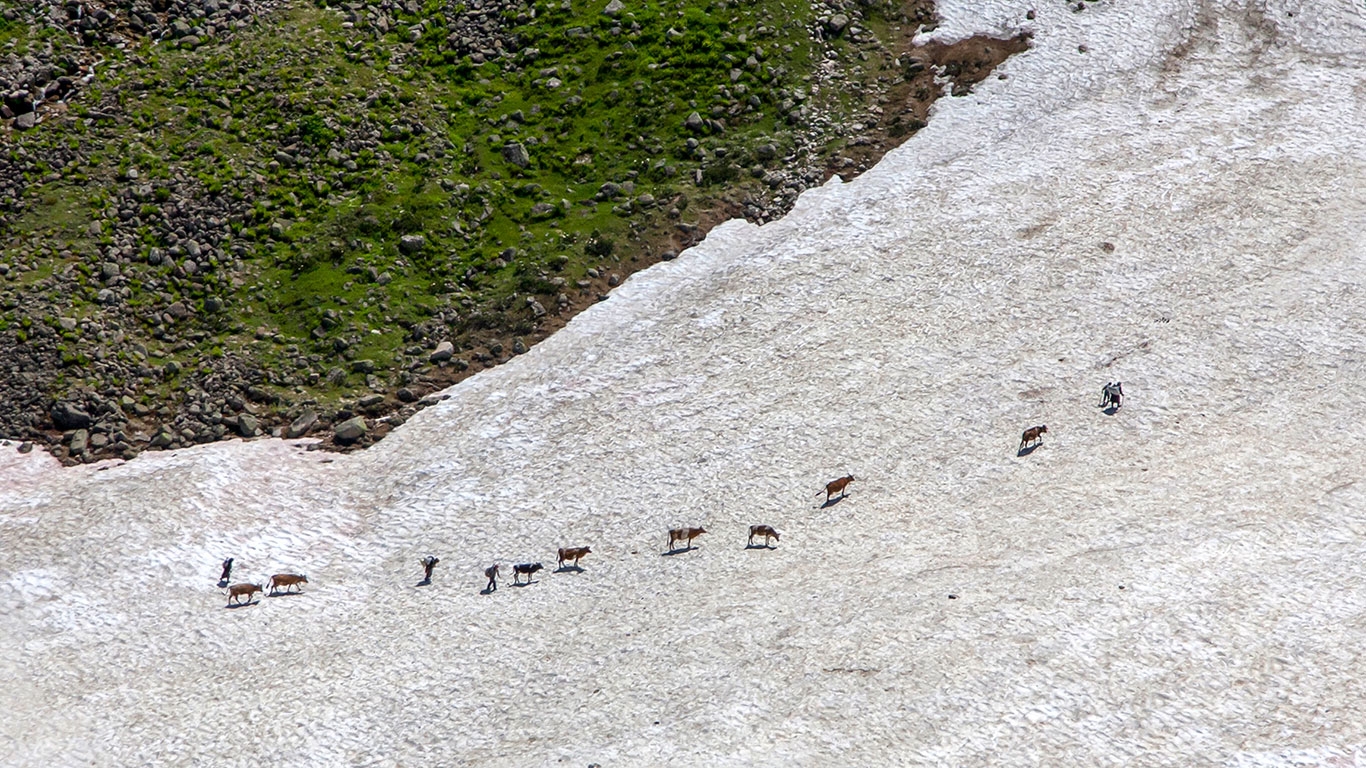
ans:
x=1177 y=584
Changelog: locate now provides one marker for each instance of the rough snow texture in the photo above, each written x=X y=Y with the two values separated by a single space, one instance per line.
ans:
x=1177 y=584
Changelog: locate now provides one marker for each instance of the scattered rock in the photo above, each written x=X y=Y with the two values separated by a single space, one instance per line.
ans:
x=349 y=431
x=516 y=154
x=79 y=442
x=248 y=426
x=301 y=426
x=409 y=245
x=444 y=351
x=67 y=415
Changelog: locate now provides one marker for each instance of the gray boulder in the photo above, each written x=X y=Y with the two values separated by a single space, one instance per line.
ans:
x=248 y=426
x=444 y=351
x=349 y=431
x=411 y=244
x=517 y=155
x=302 y=425
x=66 y=415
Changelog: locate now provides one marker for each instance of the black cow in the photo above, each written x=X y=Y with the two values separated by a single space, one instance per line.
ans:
x=524 y=568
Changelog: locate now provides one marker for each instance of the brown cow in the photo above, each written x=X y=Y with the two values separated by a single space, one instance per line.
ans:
x=1033 y=434
x=684 y=534
x=762 y=530
x=572 y=553
x=237 y=590
x=287 y=580
x=837 y=486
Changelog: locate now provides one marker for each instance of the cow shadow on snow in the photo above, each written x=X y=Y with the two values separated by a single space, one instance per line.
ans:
x=1028 y=449
x=833 y=501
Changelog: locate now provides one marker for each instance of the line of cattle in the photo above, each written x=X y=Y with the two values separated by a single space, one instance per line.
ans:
x=1112 y=395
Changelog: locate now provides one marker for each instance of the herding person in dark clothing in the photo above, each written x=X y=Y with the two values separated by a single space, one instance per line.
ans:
x=428 y=563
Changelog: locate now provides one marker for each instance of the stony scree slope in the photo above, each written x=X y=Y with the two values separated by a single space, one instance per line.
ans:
x=286 y=225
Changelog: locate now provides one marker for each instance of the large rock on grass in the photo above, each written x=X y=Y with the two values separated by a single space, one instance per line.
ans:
x=517 y=155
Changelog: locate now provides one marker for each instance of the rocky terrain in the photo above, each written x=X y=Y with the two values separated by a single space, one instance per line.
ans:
x=233 y=220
